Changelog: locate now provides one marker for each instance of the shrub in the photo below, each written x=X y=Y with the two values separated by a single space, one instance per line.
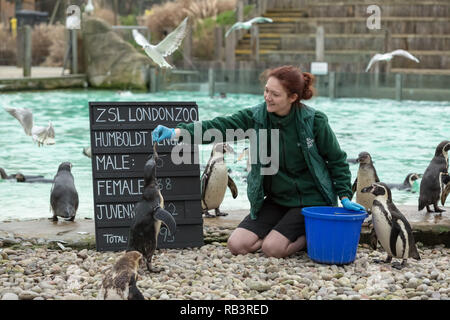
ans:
x=8 y=47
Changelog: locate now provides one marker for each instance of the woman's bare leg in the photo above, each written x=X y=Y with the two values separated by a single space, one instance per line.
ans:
x=278 y=246
x=243 y=241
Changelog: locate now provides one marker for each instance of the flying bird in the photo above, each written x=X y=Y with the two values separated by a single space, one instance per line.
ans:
x=41 y=135
x=166 y=47
x=247 y=24
x=388 y=57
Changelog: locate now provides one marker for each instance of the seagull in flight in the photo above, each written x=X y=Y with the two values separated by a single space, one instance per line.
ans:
x=247 y=24
x=166 y=47
x=388 y=57
x=41 y=135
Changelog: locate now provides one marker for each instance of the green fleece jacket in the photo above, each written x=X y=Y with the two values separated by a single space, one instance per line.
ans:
x=324 y=172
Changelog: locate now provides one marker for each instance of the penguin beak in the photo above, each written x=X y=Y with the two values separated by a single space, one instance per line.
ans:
x=420 y=175
x=165 y=217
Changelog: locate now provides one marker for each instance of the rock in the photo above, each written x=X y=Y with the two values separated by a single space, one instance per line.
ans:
x=28 y=295
x=10 y=296
x=259 y=286
x=103 y=48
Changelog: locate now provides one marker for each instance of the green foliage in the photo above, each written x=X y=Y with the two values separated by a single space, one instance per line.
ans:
x=226 y=18
x=248 y=8
x=129 y=20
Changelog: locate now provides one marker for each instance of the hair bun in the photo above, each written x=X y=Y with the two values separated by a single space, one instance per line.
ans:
x=308 y=89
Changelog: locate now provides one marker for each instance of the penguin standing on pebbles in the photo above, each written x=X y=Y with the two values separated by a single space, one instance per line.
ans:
x=215 y=180
x=365 y=177
x=430 y=186
x=64 y=195
x=148 y=215
x=392 y=229
x=408 y=183
x=119 y=282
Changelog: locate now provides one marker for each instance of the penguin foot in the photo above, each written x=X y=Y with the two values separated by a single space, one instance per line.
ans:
x=219 y=213
x=429 y=210
x=207 y=215
x=437 y=209
x=71 y=219
x=377 y=261
x=398 y=265
x=54 y=219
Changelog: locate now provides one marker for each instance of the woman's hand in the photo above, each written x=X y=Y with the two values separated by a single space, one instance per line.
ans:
x=349 y=205
x=161 y=133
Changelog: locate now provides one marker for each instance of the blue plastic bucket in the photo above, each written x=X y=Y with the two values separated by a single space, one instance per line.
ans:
x=332 y=233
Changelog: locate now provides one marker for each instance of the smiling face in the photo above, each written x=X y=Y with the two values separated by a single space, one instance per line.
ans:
x=277 y=98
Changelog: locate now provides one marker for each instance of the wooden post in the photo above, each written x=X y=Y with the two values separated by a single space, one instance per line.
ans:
x=152 y=82
x=73 y=40
x=27 y=52
x=254 y=42
x=230 y=58
x=187 y=48
x=398 y=87
x=240 y=10
x=218 y=48
x=116 y=9
x=332 y=85
x=211 y=82
x=320 y=43
x=55 y=9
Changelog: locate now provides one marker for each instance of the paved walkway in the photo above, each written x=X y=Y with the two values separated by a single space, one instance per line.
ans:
x=12 y=72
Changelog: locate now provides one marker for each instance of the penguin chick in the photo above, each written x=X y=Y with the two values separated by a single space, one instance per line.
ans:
x=365 y=177
x=430 y=186
x=215 y=179
x=407 y=184
x=392 y=229
x=148 y=215
x=119 y=282
x=445 y=186
x=64 y=195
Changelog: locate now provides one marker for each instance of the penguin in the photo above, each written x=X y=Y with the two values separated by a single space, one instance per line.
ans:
x=445 y=186
x=215 y=179
x=32 y=179
x=392 y=229
x=148 y=215
x=64 y=195
x=19 y=177
x=365 y=177
x=430 y=186
x=408 y=184
x=119 y=282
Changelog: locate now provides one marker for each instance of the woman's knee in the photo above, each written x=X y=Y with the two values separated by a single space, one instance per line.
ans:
x=239 y=243
x=272 y=249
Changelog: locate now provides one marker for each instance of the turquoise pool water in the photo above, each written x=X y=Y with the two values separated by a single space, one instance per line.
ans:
x=401 y=137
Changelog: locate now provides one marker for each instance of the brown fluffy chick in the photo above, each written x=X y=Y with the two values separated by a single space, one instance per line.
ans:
x=119 y=282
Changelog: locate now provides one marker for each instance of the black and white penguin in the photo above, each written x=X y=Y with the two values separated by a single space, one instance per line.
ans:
x=119 y=282
x=392 y=229
x=365 y=177
x=64 y=195
x=19 y=177
x=445 y=186
x=148 y=215
x=215 y=179
x=430 y=186
x=407 y=184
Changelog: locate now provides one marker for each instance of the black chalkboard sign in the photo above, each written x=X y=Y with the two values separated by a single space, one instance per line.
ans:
x=121 y=143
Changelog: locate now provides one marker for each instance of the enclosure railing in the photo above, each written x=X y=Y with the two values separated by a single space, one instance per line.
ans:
x=333 y=85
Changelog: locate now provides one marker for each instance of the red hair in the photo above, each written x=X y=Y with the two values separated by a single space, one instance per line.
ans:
x=294 y=81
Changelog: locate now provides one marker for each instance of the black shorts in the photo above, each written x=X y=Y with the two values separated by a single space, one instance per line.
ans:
x=290 y=222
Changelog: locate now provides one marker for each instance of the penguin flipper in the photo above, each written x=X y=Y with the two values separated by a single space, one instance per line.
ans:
x=233 y=188
x=445 y=194
x=165 y=217
x=354 y=187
